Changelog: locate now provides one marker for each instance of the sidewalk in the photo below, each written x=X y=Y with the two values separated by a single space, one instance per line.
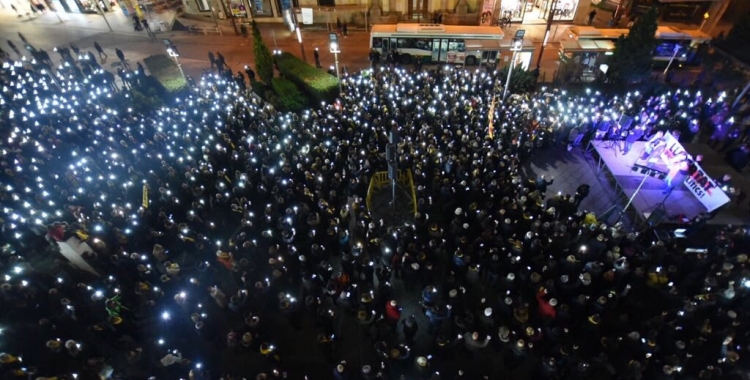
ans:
x=118 y=21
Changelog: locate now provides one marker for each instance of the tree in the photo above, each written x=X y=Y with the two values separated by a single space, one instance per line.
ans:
x=522 y=81
x=632 y=58
x=263 y=59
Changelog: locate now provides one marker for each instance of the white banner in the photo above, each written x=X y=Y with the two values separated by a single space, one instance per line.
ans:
x=699 y=183
x=488 y=13
x=307 y=16
x=73 y=250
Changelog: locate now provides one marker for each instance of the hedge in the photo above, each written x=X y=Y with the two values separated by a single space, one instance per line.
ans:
x=289 y=97
x=165 y=70
x=144 y=104
x=315 y=83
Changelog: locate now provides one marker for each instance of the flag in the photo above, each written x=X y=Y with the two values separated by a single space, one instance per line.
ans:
x=491 y=117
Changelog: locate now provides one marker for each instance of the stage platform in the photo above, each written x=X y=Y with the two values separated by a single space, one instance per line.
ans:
x=611 y=162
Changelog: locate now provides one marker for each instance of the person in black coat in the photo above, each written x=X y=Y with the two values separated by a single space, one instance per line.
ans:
x=316 y=54
x=410 y=329
x=581 y=193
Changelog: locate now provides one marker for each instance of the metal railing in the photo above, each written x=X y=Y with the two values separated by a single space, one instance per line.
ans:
x=205 y=29
x=380 y=180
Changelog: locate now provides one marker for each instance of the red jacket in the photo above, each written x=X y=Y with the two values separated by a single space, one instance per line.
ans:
x=392 y=313
x=546 y=310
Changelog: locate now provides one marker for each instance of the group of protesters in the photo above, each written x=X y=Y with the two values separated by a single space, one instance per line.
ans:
x=216 y=237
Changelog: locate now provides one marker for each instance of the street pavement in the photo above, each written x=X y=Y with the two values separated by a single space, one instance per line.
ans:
x=47 y=31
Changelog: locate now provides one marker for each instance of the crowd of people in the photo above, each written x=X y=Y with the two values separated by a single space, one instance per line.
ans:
x=216 y=231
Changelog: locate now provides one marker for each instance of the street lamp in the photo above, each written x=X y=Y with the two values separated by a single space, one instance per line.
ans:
x=101 y=12
x=301 y=45
x=677 y=48
x=515 y=48
x=335 y=49
x=550 y=19
x=705 y=18
x=172 y=51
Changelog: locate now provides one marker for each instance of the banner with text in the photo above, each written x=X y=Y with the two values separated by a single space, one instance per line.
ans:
x=488 y=10
x=307 y=16
x=699 y=182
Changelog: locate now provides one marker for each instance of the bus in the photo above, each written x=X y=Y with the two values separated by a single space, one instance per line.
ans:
x=594 y=40
x=588 y=46
x=437 y=43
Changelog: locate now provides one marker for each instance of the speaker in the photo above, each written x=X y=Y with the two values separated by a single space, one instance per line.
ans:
x=657 y=216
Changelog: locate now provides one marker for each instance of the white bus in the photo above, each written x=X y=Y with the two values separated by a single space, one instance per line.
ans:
x=587 y=39
x=435 y=43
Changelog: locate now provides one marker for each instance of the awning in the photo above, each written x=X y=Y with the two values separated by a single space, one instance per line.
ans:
x=579 y=46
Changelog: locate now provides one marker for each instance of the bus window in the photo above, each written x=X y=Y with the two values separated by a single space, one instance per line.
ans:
x=385 y=46
x=377 y=43
x=456 y=51
x=405 y=43
x=438 y=50
x=423 y=44
x=456 y=45
x=489 y=56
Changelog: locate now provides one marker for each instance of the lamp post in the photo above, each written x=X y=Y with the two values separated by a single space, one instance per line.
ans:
x=515 y=48
x=335 y=49
x=57 y=13
x=550 y=18
x=213 y=16
x=705 y=18
x=367 y=10
x=301 y=45
x=101 y=12
x=676 y=50
x=172 y=51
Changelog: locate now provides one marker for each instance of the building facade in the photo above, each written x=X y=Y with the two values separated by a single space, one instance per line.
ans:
x=241 y=10
x=464 y=12
x=537 y=11
x=703 y=14
x=81 y=6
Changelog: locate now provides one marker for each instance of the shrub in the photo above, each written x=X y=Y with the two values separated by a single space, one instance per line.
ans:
x=143 y=103
x=165 y=70
x=315 y=83
x=289 y=97
x=151 y=86
x=260 y=88
x=263 y=59
x=522 y=81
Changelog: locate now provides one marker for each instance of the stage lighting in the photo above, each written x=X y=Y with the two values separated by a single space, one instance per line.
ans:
x=662 y=176
x=644 y=170
x=634 y=168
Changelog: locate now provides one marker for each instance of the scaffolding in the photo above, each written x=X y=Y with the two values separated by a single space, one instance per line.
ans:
x=380 y=181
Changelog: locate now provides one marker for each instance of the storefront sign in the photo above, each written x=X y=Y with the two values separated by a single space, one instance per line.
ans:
x=488 y=10
x=681 y=12
x=699 y=183
x=307 y=16
x=239 y=10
